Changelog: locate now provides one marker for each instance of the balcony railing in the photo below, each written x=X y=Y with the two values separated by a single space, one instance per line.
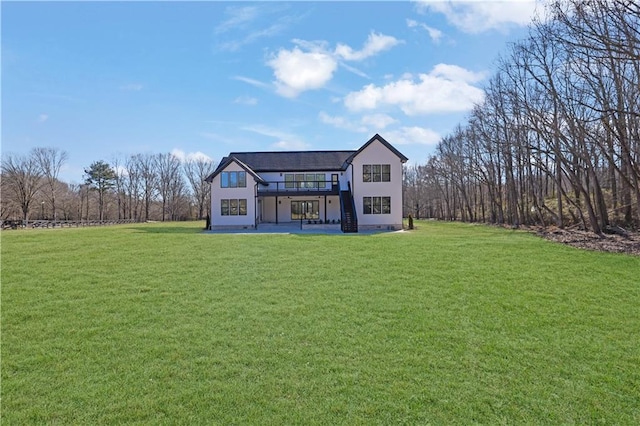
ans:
x=322 y=187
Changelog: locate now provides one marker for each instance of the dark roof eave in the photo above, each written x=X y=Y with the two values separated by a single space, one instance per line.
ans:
x=228 y=160
x=382 y=140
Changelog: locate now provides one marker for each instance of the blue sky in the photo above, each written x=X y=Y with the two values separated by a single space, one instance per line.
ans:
x=107 y=79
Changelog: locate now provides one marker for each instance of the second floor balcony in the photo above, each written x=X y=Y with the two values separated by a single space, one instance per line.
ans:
x=278 y=188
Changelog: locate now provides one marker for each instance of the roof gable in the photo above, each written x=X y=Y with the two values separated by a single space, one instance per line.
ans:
x=224 y=163
x=383 y=142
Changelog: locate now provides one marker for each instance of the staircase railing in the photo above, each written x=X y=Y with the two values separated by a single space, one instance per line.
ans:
x=349 y=219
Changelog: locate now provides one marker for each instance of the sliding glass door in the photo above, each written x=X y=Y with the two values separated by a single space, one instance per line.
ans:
x=305 y=210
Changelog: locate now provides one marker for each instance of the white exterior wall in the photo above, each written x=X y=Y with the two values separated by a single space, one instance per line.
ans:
x=218 y=193
x=377 y=153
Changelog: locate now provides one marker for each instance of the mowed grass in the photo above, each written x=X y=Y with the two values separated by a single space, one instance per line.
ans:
x=446 y=324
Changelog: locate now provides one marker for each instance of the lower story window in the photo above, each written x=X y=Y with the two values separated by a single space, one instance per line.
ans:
x=233 y=207
x=376 y=205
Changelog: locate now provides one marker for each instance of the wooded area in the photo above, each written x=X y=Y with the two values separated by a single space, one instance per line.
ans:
x=140 y=187
x=557 y=138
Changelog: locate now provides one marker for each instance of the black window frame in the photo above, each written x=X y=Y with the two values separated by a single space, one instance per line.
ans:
x=233 y=207
x=233 y=179
x=376 y=173
x=376 y=204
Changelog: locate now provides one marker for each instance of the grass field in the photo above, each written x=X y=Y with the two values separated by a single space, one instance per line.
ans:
x=447 y=324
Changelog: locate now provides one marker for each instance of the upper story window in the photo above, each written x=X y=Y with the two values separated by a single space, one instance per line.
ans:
x=304 y=180
x=233 y=180
x=376 y=173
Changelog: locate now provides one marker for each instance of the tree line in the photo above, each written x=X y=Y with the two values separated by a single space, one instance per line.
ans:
x=556 y=140
x=139 y=187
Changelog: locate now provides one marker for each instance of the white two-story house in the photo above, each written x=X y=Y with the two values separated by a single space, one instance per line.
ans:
x=356 y=189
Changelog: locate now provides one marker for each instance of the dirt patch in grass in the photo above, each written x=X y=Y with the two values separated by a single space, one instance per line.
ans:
x=629 y=244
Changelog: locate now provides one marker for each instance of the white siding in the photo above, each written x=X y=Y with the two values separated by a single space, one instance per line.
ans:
x=377 y=153
x=218 y=193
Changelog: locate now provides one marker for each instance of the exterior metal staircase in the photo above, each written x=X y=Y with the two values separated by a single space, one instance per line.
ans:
x=349 y=219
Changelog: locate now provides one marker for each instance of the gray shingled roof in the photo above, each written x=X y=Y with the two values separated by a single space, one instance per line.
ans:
x=293 y=161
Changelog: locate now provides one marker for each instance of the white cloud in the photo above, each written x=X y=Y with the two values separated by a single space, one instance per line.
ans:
x=238 y=17
x=290 y=145
x=246 y=100
x=191 y=156
x=341 y=123
x=434 y=33
x=354 y=70
x=375 y=44
x=456 y=73
x=447 y=88
x=378 y=121
x=412 y=135
x=480 y=15
x=268 y=131
x=121 y=170
x=311 y=64
x=247 y=24
x=42 y=118
x=251 y=81
x=365 y=124
x=285 y=141
x=297 y=71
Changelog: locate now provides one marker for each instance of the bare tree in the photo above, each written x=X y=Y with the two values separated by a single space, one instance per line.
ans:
x=145 y=166
x=51 y=161
x=170 y=183
x=23 y=178
x=197 y=170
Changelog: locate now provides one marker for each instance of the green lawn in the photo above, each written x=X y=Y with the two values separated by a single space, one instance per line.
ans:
x=447 y=324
